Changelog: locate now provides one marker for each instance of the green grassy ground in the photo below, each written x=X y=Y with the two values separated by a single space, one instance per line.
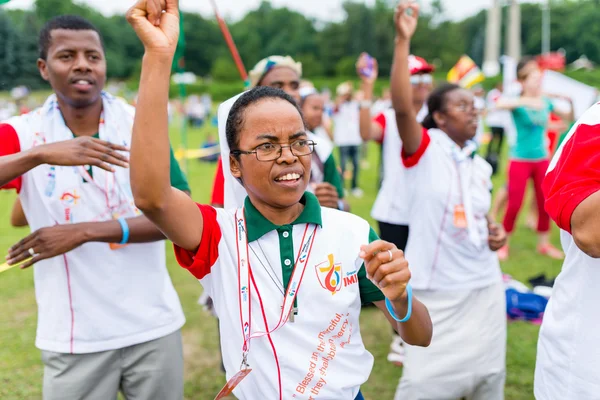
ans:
x=21 y=368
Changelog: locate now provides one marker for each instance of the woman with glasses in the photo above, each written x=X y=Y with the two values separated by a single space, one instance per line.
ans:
x=391 y=206
x=326 y=183
x=529 y=156
x=452 y=242
x=287 y=276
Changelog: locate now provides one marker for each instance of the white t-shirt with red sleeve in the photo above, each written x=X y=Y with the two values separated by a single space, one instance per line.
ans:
x=321 y=354
x=568 y=354
x=444 y=255
x=92 y=298
x=392 y=204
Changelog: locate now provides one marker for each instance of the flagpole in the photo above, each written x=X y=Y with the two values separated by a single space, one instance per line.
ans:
x=231 y=44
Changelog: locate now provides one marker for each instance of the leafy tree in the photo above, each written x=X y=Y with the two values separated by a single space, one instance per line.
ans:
x=346 y=67
x=224 y=69
x=9 y=52
x=325 y=48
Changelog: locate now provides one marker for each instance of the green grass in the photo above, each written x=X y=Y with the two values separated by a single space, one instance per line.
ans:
x=21 y=367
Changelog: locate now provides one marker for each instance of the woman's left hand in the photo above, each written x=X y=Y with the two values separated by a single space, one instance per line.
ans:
x=387 y=268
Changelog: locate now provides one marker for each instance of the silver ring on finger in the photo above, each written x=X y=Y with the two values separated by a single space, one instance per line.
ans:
x=31 y=252
x=391 y=255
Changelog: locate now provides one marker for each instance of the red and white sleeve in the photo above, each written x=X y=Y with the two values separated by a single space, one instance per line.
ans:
x=10 y=144
x=574 y=174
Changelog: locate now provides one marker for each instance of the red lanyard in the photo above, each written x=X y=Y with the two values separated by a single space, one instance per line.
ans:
x=244 y=281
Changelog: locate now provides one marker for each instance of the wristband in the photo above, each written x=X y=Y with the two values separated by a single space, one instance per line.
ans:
x=341 y=205
x=125 y=229
x=390 y=307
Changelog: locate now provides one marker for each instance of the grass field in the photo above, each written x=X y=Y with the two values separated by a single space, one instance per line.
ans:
x=20 y=364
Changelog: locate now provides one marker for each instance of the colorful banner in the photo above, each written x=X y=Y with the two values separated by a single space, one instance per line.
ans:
x=465 y=73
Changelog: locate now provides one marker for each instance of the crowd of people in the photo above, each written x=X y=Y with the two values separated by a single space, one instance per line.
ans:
x=284 y=263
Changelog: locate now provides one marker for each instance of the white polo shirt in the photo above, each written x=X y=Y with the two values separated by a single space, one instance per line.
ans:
x=392 y=204
x=321 y=354
x=568 y=354
x=92 y=298
x=441 y=177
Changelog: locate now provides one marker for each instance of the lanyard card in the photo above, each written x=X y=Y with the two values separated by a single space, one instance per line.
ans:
x=233 y=383
x=460 y=217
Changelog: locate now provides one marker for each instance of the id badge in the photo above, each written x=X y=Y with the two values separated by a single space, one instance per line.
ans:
x=460 y=217
x=233 y=383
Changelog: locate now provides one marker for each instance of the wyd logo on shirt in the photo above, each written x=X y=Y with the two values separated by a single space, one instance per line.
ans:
x=330 y=275
x=69 y=198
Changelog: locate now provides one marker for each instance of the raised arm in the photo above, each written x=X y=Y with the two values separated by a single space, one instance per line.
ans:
x=410 y=130
x=156 y=22
x=369 y=130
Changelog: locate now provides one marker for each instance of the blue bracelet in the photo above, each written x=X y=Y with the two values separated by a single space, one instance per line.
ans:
x=390 y=308
x=125 y=229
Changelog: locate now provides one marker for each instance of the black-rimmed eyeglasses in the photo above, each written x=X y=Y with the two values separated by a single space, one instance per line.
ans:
x=272 y=151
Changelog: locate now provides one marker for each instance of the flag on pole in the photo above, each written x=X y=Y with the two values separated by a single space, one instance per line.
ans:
x=465 y=73
x=231 y=44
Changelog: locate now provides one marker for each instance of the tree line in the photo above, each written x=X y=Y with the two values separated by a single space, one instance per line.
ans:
x=326 y=49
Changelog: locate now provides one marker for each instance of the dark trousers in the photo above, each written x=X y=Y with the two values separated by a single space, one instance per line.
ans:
x=494 y=148
x=397 y=234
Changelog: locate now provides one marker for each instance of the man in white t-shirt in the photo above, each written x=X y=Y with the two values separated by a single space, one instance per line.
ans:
x=109 y=318
x=568 y=355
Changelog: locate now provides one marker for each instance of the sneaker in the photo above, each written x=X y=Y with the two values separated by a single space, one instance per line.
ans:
x=397 y=352
x=551 y=251
x=503 y=253
x=357 y=192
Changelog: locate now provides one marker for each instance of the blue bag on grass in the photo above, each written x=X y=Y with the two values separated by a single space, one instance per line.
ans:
x=527 y=306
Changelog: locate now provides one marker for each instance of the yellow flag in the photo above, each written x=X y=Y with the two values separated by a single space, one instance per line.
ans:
x=465 y=73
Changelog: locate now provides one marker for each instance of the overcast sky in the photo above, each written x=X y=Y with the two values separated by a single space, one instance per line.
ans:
x=322 y=9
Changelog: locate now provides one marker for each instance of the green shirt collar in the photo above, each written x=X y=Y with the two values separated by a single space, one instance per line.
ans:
x=258 y=226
